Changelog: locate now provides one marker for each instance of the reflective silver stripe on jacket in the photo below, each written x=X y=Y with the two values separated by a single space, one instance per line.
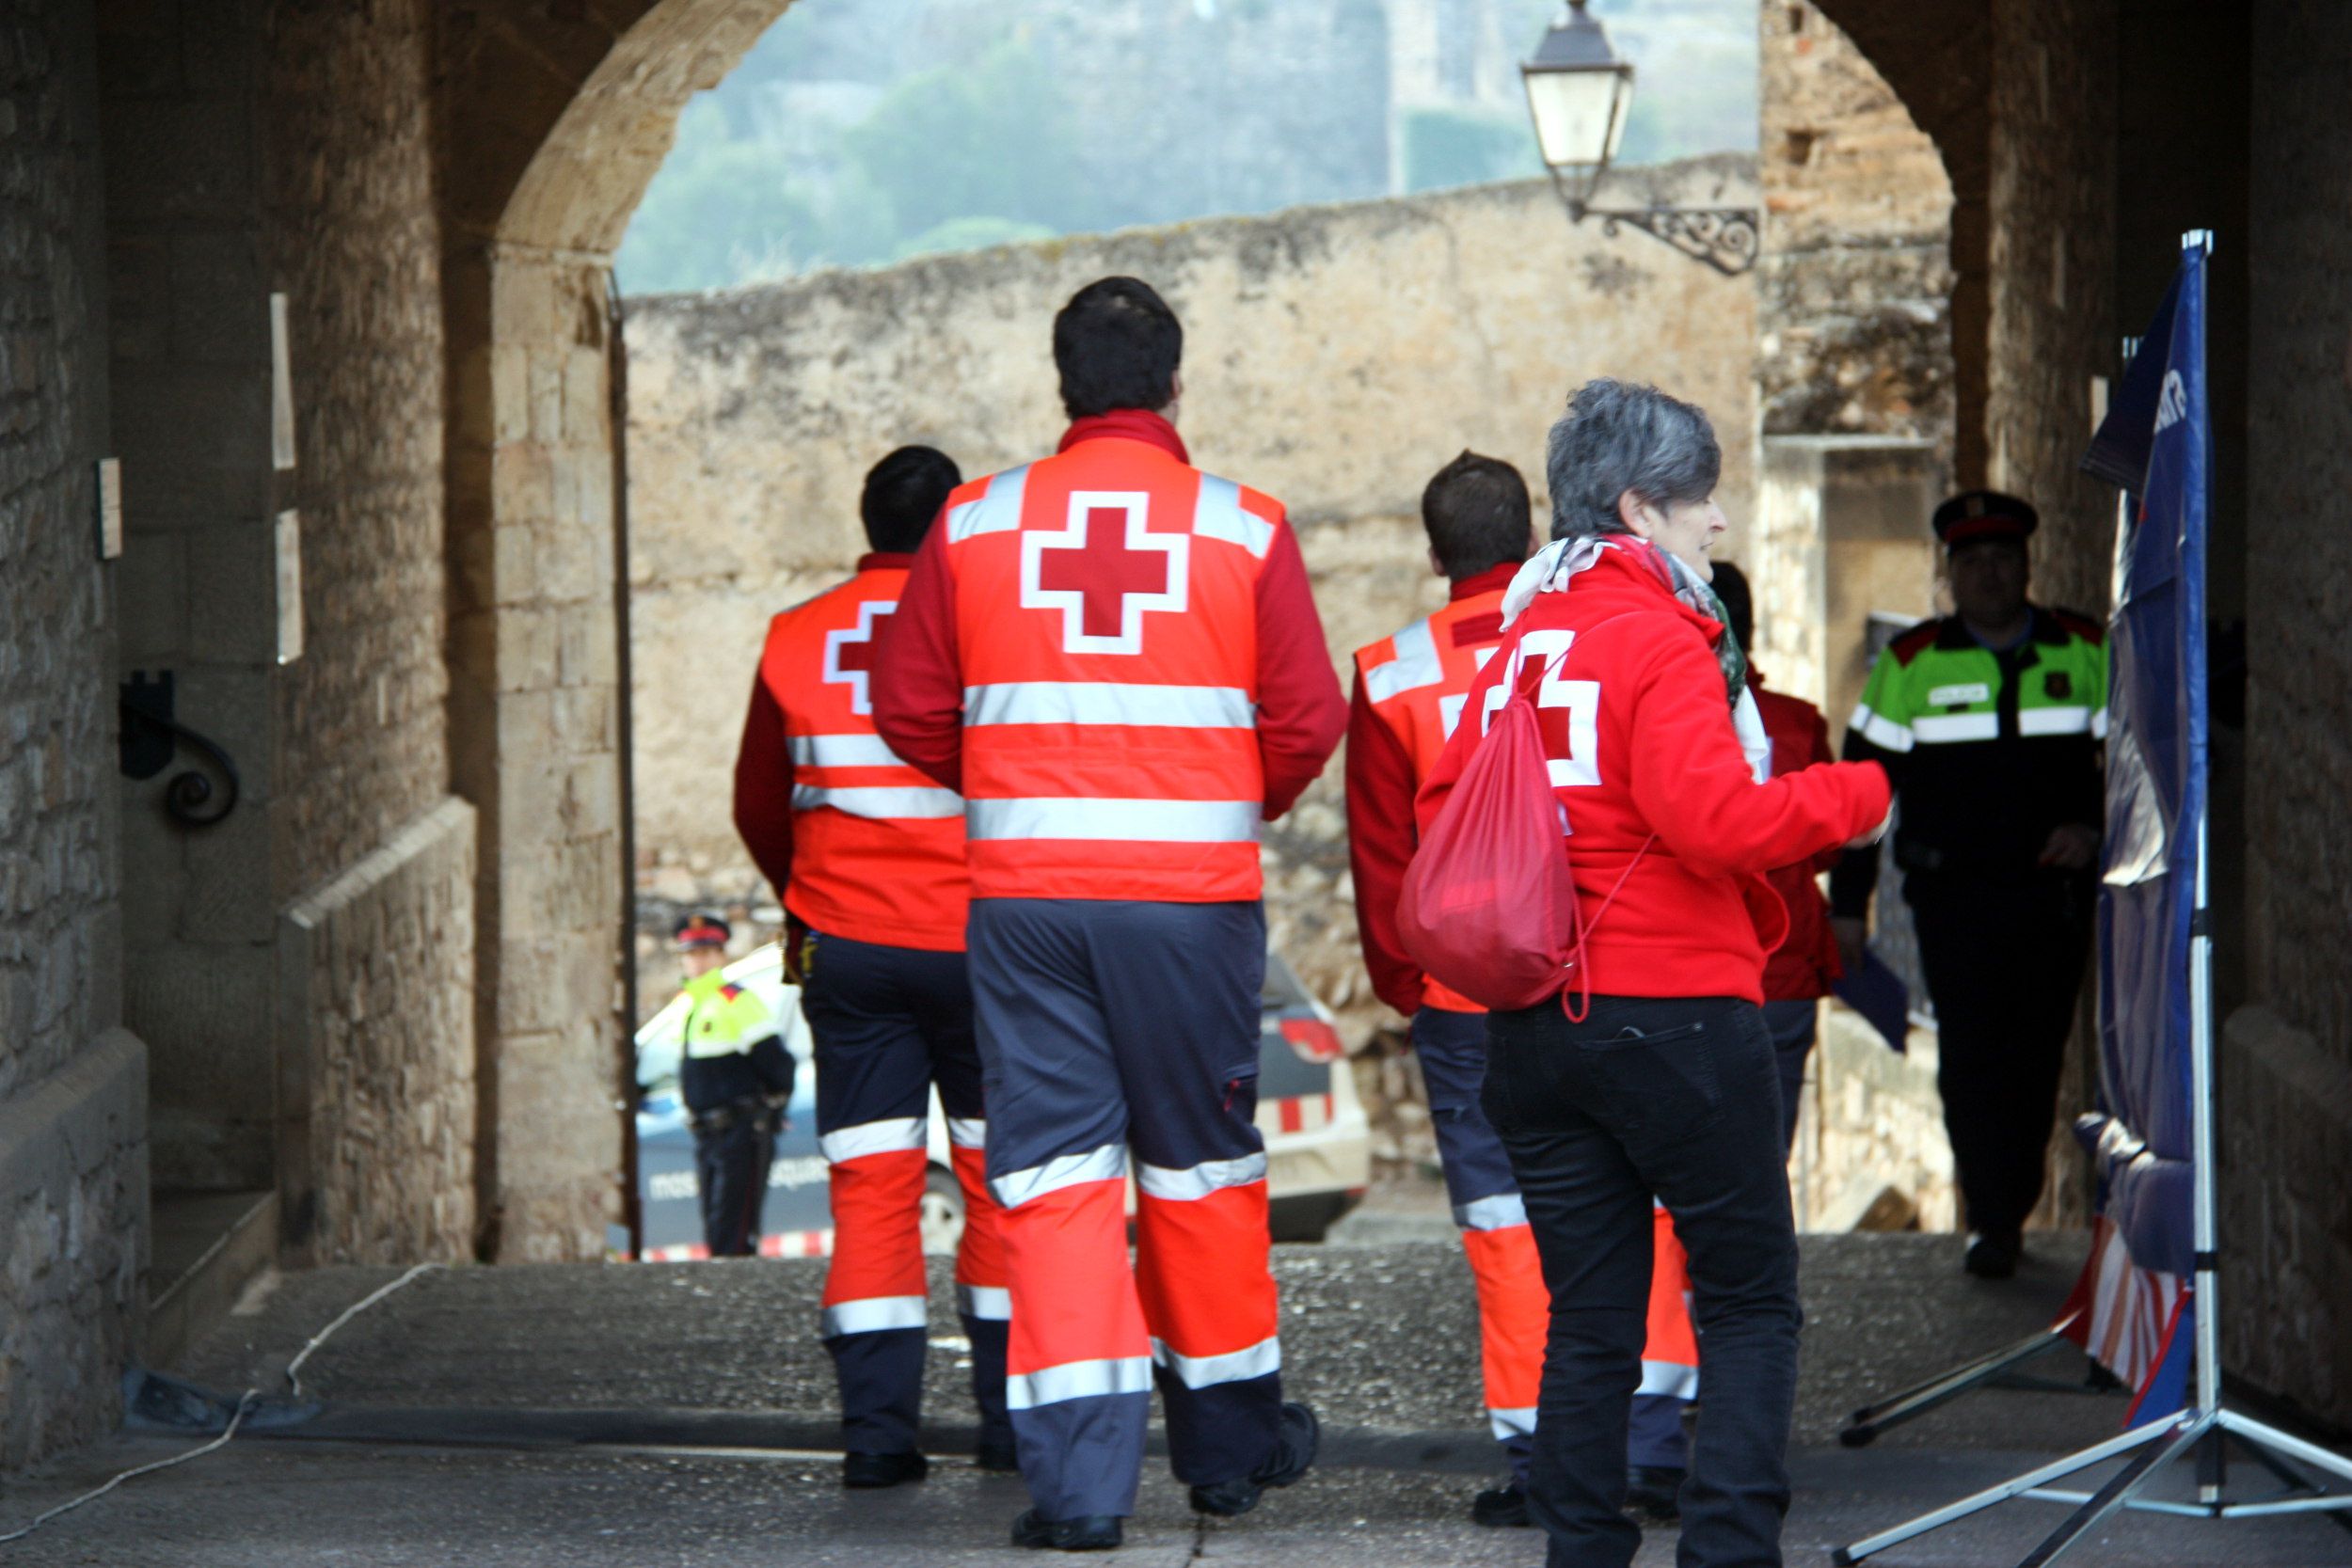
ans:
x=1416 y=664
x=1940 y=729
x=997 y=510
x=1134 y=821
x=880 y=802
x=1078 y=1380
x=874 y=1315
x=1217 y=513
x=1234 y=1366
x=844 y=751
x=894 y=1136
x=2053 y=720
x=1198 y=1181
x=1881 y=730
x=1190 y=707
x=1106 y=1163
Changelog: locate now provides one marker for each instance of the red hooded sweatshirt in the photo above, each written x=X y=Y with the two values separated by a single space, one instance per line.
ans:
x=1639 y=729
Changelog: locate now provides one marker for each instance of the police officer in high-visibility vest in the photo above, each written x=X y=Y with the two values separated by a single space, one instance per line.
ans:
x=1409 y=690
x=1115 y=657
x=735 y=1079
x=1989 y=724
x=867 y=857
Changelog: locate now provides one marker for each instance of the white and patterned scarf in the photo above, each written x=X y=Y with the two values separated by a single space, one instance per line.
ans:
x=1552 y=569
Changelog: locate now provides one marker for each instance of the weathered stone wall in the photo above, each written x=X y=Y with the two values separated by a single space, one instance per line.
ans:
x=2287 y=1067
x=552 y=121
x=1335 y=356
x=361 y=716
x=255 y=151
x=72 y=1086
x=377 y=1122
x=2053 y=318
x=1855 y=276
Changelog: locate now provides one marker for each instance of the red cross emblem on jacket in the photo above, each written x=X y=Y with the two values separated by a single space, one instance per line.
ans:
x=1103 y=570
x=850 y=653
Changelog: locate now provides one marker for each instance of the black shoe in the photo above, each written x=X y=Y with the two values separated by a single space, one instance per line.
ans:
x=1503 y=1507
x=1296 y=1439
x=1097 y=1533
x=1653 y=1490
x=866 y=1471
x=1991 y=1257
x=1004 y=1457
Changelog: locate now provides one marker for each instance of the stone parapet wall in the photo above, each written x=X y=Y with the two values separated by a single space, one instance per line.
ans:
x=376 y=1063
x=72 y=1243
x=1335 y=356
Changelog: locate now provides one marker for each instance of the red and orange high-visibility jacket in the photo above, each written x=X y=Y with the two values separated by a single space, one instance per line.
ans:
x=1116 y=660
x=1409 y=691
x=857 y=843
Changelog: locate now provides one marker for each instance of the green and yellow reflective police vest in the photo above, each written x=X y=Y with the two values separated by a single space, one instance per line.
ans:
x=722 y=1018
x=1988 y=750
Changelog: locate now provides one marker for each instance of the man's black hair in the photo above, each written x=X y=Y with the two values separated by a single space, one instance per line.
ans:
x=1731 y=586
x=1118 y=345
x=1478 y=515
x=903 y=493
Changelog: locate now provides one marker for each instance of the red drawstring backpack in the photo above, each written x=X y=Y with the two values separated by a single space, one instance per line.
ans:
x=1490 y=907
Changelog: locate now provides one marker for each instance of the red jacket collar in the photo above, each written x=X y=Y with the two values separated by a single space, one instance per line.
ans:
x=1632 y=566
x=880 y=560
x=1492 y=581
x=1127 y=424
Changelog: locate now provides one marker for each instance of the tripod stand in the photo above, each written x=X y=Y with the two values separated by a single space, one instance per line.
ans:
x=2203 y=1429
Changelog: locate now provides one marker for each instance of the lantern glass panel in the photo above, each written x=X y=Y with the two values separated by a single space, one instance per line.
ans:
x=1579 y=115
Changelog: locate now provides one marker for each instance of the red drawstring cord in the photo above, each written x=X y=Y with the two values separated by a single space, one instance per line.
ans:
x=1584 y=929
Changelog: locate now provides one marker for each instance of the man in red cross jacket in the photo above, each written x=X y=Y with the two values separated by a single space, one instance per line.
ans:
x=1115 y=658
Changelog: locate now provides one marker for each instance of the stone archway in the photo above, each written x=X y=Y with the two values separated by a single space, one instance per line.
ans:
x=554 y=118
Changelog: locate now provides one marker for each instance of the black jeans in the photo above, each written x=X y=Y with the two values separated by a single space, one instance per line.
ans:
x=1679 y=1098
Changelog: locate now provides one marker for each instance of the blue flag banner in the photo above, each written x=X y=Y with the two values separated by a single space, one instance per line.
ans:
x=2157 y=442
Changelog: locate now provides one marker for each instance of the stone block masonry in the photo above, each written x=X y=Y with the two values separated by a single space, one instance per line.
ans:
x=375 y=1066
x=73 y=1084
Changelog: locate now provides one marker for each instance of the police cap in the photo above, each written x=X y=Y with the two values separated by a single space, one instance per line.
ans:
x=701 y=930
x=1984 y=515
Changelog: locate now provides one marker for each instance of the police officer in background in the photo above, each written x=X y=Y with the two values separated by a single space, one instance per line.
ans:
x=736 y=1078
x=1988 y=722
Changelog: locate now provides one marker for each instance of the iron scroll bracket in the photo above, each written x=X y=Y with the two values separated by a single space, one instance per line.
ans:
x=151 y=737
x=1724 y=238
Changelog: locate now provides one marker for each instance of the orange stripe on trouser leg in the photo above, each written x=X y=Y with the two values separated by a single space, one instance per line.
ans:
x=876 y=1227
x=980 y=1256
x=1670 y=1336
x=1514 y=1313
x=1072 y=1296
x=1201 y=1265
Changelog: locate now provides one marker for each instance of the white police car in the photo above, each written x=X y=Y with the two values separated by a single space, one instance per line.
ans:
x=1318 y=1146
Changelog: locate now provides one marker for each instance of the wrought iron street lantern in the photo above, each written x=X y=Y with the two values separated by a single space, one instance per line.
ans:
x=1579 y=93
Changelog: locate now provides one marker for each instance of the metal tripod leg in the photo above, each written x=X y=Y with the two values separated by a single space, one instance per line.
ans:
x=2273 y=1450
x=2121 y=1443
x=2118 y=1490
x=1867 y=1422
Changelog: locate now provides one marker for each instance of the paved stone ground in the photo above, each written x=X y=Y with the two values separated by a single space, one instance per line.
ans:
x=659 y=1415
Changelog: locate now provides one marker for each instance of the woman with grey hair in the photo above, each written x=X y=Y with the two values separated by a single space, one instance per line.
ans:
x=1652 y=1072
